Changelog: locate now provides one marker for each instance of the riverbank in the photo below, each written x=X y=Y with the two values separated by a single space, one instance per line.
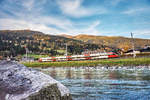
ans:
x=102 y=62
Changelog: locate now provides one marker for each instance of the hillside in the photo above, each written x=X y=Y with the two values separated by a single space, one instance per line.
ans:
x=16 y=42
x=113 y=41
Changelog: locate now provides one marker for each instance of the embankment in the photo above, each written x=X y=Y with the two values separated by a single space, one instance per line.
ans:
x=102 y=62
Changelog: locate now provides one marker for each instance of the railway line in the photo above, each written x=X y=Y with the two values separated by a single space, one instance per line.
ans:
x=80 y=57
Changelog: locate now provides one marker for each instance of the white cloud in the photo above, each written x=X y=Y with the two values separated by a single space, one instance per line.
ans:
x=112 y=3
x=32 y=4
x=141 y=32
x=134 y=11
x=56 y=21
x=47 y=24
x=137 y=8
x=115 y=2
x=33 y=20
x=145 y=34
x=90 y=29
x=3 y=14
x=75 y=8
x=28 y=4
x=13 y=24
x=41 y=23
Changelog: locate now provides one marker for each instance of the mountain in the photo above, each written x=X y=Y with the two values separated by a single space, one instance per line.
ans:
x=65 y=35
x=17 y=42
x=112 y=41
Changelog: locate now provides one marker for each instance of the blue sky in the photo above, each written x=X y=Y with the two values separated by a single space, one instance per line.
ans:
x=73 y=17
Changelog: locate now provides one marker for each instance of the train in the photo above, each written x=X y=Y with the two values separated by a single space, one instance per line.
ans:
x=80 y=57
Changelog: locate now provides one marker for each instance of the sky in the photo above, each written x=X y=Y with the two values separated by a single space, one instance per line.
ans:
x=73 y=17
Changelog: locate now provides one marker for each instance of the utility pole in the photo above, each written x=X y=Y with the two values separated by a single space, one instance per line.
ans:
x=133 y=47
x=26 y=53
x=66 y=50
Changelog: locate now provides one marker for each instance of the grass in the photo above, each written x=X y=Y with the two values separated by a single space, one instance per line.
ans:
x=102 y=62
x=61 y=51
x=36 y=56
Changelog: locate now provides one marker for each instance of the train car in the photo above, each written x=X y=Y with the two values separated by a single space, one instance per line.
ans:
x=80 y=57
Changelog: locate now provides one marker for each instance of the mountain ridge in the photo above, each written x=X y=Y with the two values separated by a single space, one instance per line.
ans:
x=14 y=42
x=120 y=42
x=82 y=35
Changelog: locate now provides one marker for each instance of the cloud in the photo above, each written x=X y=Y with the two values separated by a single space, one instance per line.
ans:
x=44 y=23
x=61 y=23
x=29 y=4
x=20 y=8
x=145 y=34
x=13 y=24
x=74 y=8
x=33 y=4
x=141 y=32
x=90 y=29
x=115 y=2
x=134 y=11
x=69 y=17
x=29 y=18
x=41 y=23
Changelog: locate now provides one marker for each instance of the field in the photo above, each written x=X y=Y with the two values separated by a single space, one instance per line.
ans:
x=102 y=62
x=36 y=56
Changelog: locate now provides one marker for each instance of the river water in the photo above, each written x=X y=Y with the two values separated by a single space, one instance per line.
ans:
x=101 y=83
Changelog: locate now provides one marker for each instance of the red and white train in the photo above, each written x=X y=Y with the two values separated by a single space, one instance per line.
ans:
x=80 y=57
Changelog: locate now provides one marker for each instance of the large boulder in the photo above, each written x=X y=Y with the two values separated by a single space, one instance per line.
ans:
x=18 y=82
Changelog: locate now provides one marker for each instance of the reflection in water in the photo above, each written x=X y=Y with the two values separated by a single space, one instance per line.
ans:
x=69 y=74
x=94 y=83
x=53 y=73
x=87 y=74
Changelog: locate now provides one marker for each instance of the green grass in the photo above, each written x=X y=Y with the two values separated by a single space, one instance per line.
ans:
x=36 y=56
x=61 y=51
x=102 y=62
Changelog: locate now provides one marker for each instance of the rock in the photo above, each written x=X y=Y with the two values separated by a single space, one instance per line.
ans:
x=18 y=82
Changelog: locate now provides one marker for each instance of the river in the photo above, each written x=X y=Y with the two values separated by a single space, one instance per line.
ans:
x=101 y=83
